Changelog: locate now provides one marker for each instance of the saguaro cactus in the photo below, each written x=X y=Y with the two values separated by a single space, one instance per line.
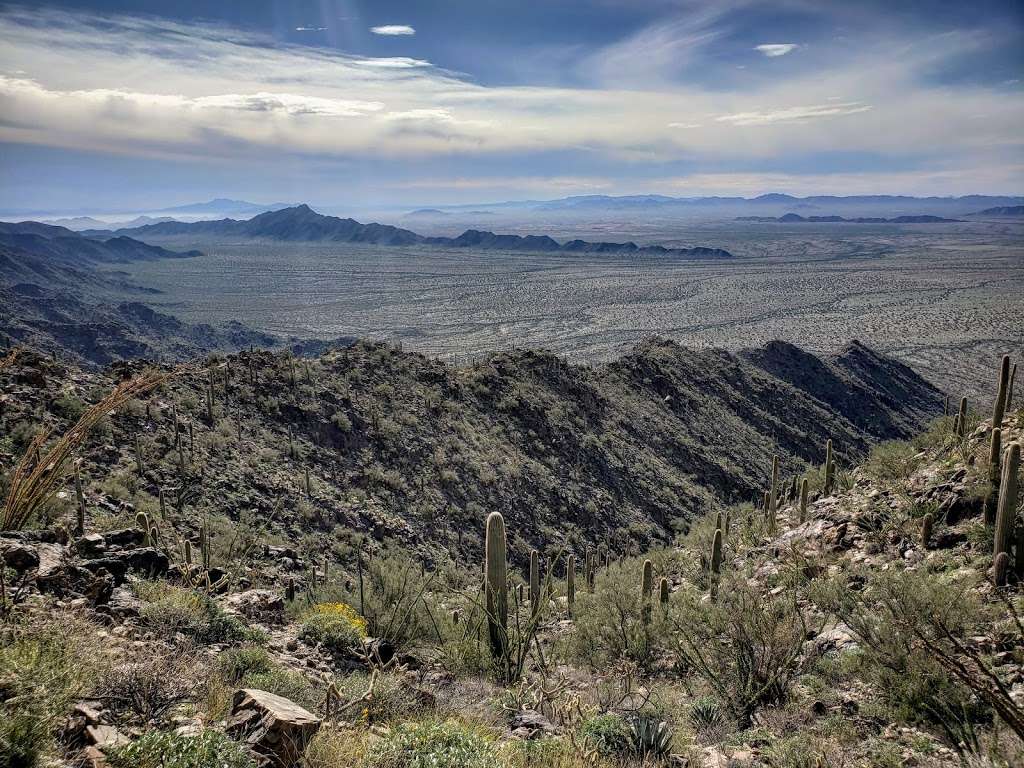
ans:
x=961 y=418
x=773 y=498
x=496 y=584
x=188 y=553
x=1002 y=386
x=927 y=523
x=142 y=523
x=803 y=500
x=663 y=592
x=80 y=498
x=1007 y=503
x=163 y=503
x=716 y=562
x=646 y=587
x=534 y=579
x=830 y=468
x=570 y=582
x=1009 y=388
x=995 y=453
x=139 y=463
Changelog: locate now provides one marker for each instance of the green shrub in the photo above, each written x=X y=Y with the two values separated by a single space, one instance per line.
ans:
x=609 y=734
x=235 y=664
x=447 y=744
x=336 y=626
x=170 y=609
x=394 y=602
x=609 y=622
x=893 y=461
x=156 y=749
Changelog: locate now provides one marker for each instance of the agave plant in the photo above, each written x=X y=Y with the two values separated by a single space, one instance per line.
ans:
x=651 y=737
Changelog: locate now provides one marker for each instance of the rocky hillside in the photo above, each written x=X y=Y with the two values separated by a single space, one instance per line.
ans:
x=863 y=621
x=412 y=449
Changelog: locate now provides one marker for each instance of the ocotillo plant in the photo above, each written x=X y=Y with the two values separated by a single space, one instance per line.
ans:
x=534 y=579
x=773 y=498
x=927 y=522
x=830 y=468
x=803 y=500
x=1002 y=385
x=646 y=588
x=995 y=452
x=716 y=563
x=496 y=584
x=80 y=498
x=570 y=582
x=1007 y=503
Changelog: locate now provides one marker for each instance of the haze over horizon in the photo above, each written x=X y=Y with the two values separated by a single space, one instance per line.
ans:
x=129 y=106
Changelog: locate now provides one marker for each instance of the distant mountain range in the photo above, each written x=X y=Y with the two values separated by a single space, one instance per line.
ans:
x=302 y=224
x=223 y=206
x=1002 y=210
x=796 y=218
x=79 y=223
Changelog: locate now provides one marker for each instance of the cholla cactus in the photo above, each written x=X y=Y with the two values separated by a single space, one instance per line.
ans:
x=496 y=584
x=1007 y=508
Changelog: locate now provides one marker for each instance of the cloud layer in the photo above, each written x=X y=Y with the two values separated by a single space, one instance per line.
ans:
x=393 y=30
x=158 y=89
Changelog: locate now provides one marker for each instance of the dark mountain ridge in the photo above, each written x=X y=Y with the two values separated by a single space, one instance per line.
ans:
x=796 y=218
x=303 y=224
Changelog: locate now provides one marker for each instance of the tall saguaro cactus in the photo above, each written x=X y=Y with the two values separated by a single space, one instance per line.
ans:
x=646 y=587
x=716 y=563
x=1009 y=388
x=496 y=584
x=961 y=419
x=994 y=475
x=1007 y=504
x=534 y=580
x=830 y=468
x=803 y=500
x=773 y=498
x=570 y=582
x=1002 y=387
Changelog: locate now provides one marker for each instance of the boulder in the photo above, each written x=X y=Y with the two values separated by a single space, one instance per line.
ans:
x=271 y=726
x=258 y=605
x=125 y=537
x=20 y=557
x=530 y=724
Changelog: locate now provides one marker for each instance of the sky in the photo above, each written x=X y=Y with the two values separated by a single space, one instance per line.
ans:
x=117 y=105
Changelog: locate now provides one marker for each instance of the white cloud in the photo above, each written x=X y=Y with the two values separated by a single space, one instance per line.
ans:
x=393 y=29
x=773 y=50
x=202 y=91
x=794 y=114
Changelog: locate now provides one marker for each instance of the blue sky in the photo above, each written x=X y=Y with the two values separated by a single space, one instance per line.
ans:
x=123 y=105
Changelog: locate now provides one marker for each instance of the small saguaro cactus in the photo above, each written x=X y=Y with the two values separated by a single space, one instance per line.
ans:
x=803 y=500
x=570 y=582
x=830 y=468
x=289 y=590
x=188 y=553
x=496 y=584
x=716 y=562
x=163 y=503
x=1007 y=508
x=142 y=523
x=927 y=523
x=646 y=588
x=359 y=577
x=309 y=486
x=80 y=499
x=663 y=591
x=1009 y=388
x=995 y=452
x=177 y=424
x=773 y=498
x=961 y=418
x=1002 y=386
x=1001 y=569
x=534 y=579
x=139 y=463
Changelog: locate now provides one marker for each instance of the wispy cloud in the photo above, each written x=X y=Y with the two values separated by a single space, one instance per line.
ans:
x=794 y=114
x=393 y=29
x=773 y=50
